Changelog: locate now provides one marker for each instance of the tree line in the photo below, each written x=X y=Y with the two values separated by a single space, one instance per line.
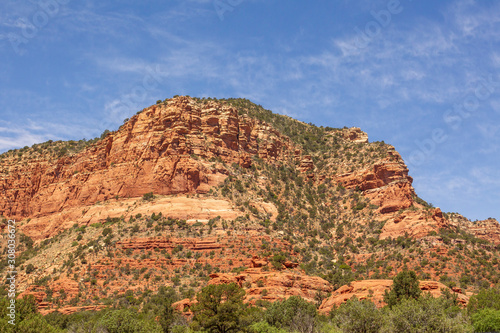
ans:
x=221 y=309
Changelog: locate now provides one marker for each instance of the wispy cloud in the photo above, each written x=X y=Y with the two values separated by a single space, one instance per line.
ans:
x=475 y=22
x=17 y=135
x=487 y=176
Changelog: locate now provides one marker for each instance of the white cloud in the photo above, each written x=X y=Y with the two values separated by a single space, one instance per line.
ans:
x=18 y=135
x=474 y=20
x=487 y=176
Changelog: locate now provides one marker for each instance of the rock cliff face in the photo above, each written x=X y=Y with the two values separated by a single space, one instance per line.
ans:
x=68 y=288
x=381 y=174
x=386 y=183
x=194 y=244
x=156 y=151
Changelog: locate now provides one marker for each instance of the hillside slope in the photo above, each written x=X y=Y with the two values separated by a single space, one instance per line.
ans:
x=189 y=189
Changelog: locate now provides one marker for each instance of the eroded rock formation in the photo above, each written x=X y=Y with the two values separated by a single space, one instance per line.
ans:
x=374 y=290
x=355 y=134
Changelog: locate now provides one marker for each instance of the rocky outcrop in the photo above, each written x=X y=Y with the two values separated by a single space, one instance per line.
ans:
x=355 y=134
x=381 y=174
x=393 y=197
x=275 y=285
x=179 y=207
x=194 y=244
x=65 y=288
x=184 y=306
x=306 y=164
x=374 y=290
x=414 y=223
x=259 y=262
x=486 y=229
x=266 y=208
x=64 y=285
x=38 y=292
x=386 y=183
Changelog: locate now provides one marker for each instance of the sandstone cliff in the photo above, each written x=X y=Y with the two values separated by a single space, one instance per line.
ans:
x=155 y=151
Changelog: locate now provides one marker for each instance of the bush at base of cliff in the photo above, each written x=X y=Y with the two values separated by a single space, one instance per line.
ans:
x=148 y=196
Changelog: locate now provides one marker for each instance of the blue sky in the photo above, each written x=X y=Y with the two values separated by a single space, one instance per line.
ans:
x=423 y=76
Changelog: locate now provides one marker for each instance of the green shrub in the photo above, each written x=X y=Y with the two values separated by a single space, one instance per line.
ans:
x=486 y=320
x=358 y=316
x=294 y=314
x=220 y=308
x=107 y=231
x=27 y=320
x=486 y=298
x=30 y=268
x=426 y=314
x=277 y=261
x=35 y=323
x=405 y=285
x=148 y=196
x=359 y=206
x=128 y=321
x=264 y=327
x=104 y=134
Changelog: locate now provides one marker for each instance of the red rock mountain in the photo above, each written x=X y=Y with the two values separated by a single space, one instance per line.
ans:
x=191 y=189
